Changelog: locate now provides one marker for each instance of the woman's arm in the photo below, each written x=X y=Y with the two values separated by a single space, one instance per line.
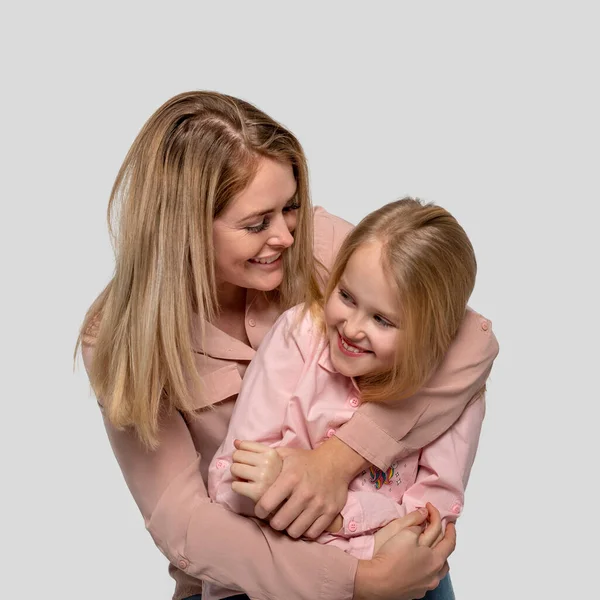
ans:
x=442 y=478
x=381 y=432
x=378 y=432
x=204 y=539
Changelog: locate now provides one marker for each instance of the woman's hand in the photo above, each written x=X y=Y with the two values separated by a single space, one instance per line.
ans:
x=313 y=487
x=432 y=525
x=407 y=565
x=257 y=466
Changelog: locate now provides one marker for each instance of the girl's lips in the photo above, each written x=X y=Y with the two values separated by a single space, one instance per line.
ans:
x=346 y=352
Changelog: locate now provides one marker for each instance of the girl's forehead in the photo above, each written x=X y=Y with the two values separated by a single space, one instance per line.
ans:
x=369 y=281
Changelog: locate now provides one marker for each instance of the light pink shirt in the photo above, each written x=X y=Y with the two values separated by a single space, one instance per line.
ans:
x=292 y=396
x=204 y=541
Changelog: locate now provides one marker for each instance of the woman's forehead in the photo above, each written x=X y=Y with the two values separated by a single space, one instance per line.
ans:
x=271 y=188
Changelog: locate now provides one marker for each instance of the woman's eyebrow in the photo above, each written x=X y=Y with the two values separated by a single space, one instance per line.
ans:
x=262 y=213
x=255 y=215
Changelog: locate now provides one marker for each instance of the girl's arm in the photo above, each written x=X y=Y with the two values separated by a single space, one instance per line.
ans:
x=260 y=409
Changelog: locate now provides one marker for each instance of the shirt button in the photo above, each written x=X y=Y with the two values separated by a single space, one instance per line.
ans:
x=456 y=508
x=221 y=464
x=183 y=564
x=352 y=527
x=251 y=322
x=330 y=433
x=485 y=325
x=354 y=401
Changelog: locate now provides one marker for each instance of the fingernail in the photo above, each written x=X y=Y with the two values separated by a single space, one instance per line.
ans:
x=423 y=511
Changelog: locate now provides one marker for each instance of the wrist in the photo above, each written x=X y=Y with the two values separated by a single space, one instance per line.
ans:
x=365 y=580
x=346 y=462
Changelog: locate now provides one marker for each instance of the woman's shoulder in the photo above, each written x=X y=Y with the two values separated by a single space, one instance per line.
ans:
x=330 y=232
x=475 y=342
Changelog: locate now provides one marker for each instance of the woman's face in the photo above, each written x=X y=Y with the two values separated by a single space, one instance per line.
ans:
x=362 y=316
x=257 y=227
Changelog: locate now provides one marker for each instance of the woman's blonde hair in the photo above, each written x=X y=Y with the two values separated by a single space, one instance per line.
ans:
x=430 y=260
x=195 y=154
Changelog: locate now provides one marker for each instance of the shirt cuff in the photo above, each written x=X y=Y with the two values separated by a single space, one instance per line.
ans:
x=374 y=444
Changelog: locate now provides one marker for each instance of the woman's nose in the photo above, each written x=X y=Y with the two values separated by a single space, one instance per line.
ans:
x=282 y=236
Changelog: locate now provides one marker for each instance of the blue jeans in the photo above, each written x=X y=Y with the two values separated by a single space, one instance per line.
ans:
x=444 y=591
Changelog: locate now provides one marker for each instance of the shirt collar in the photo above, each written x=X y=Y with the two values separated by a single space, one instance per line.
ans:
x=326 y=363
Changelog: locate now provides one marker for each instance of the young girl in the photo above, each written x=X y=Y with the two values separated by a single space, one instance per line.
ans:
x=397 y=294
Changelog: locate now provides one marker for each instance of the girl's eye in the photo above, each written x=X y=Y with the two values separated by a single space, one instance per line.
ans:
x=291 y=207
x=345 y=296
x=258 y=228
x=383 y=322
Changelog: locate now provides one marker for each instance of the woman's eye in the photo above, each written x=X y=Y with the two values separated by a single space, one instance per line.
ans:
x=291 y=207
x=258 y=228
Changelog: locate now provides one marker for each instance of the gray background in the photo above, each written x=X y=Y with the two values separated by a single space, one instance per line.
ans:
x=489 y=110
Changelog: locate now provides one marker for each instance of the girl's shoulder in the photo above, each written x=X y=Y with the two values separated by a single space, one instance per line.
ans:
x=299 y=327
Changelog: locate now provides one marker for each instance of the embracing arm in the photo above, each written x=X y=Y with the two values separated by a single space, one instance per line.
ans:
x=201 y=537
x=442 y=477
x=381 y=432
x=315 y=482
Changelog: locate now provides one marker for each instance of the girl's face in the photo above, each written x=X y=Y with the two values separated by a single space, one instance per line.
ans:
x=252 y=233
x=363 y=316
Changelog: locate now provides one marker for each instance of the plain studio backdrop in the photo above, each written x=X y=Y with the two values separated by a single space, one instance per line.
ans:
x=489 y=110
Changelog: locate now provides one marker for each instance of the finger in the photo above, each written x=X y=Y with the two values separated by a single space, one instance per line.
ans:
x=276 y=495
x=318 y=527
x=246 y=458
x=438 y=539
x=417 y=530
x=416 y=517
x=305 y=521
x=445 y=570
x=434 y=528
x=251 y=446
x=288 y=513
x=446 y=547
x=246 y=472
x=245 y=488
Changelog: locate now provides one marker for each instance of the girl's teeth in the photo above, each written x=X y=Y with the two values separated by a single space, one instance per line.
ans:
x=350 y=348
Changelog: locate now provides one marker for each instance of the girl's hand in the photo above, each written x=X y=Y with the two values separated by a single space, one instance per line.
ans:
x=256 y=466
x=311 y=489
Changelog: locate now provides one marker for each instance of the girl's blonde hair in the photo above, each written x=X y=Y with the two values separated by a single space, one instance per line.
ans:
x=196 y=153
x=430 y=260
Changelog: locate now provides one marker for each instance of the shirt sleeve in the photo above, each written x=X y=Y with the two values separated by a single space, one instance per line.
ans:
x=260 y=409
x=330 y=232
x=442 y=477
x=207 y=541
x=381 y=432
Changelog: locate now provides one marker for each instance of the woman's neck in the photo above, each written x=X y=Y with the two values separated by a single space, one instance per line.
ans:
x=231 y=298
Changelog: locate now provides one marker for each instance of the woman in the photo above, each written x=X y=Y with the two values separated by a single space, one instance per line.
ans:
x=215 y=241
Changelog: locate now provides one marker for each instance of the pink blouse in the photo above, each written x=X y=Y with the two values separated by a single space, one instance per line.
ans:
x=292 y=396
x=202 y=539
